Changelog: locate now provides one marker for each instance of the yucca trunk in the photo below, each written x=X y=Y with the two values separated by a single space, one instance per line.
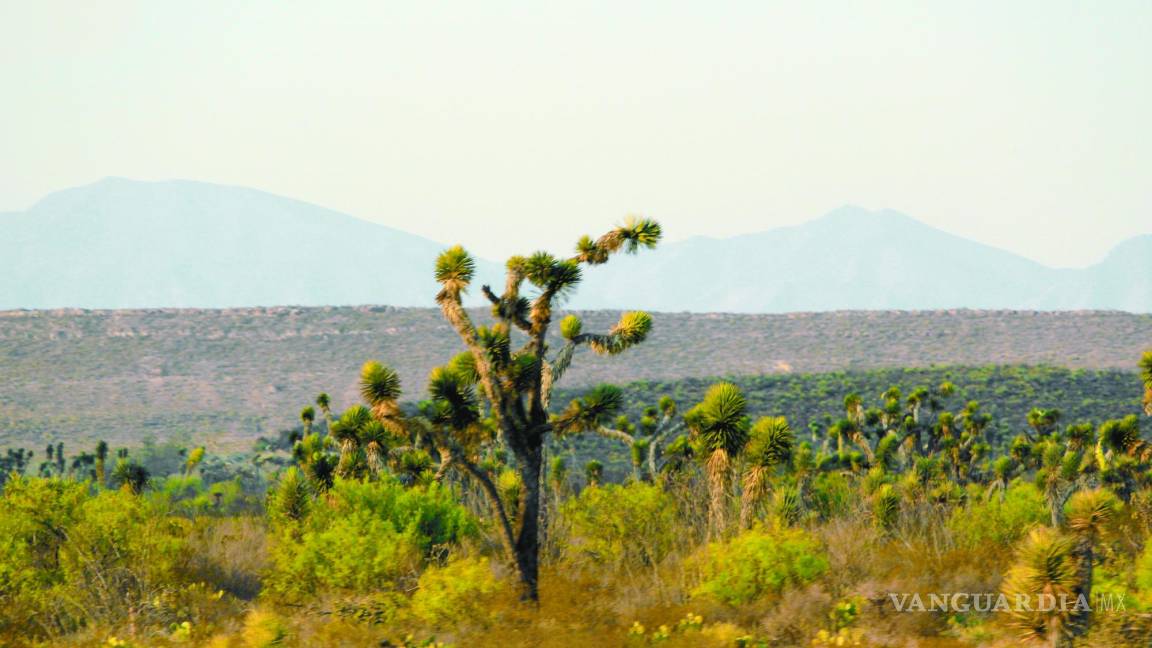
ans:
x=445 y=463
x=755 y=487
x=527 y=546
x=347 y=455
x=862 y=443
x=718 y=466
x=374 y=455
x=1085 y=557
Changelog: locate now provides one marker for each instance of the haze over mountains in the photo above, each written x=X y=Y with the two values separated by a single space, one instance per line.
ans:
x=127 y=244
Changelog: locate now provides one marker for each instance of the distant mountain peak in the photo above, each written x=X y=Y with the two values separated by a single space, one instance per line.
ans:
x=124 y=243
x=856 y=215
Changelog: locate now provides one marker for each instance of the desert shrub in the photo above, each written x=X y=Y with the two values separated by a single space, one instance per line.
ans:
x=831 y=495
x=1142 y=574
x=189 y=494
x=759 y=562
x=629 y=525
x=70 y=557
x=263 y=629
x=994 y=523
x=459 y=591
x=364 y=537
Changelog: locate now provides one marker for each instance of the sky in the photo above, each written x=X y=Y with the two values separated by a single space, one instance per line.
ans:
x=512 y=126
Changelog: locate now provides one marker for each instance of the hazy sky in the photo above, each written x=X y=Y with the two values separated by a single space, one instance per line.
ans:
x=511 y=126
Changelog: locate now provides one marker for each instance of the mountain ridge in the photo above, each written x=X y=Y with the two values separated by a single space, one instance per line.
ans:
x=121 y=243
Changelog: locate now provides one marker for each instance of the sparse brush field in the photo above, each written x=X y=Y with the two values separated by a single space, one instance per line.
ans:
x=225 y=377
x=698 y=522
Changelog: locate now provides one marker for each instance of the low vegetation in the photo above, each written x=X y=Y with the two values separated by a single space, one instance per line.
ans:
x=906 y=514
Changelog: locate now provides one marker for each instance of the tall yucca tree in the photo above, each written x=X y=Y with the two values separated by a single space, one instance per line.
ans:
x=1146 y=377
x=1060 y=475
x=380 y=389
x=307 y=417
x=324 y=402
x=1091 y=515
x=347 y=430
x=1121 y=436
x=1043 y=421
x=130 y=475
x=721 y=423
x=1045 y=566
x=517 y=382
x=1002 y=470
x=769 y=446
x=101 y=463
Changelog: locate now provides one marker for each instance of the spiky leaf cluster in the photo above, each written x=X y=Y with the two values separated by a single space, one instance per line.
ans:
x=720 y=420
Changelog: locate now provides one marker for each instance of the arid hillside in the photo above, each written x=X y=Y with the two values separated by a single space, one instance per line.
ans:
x=231 y=375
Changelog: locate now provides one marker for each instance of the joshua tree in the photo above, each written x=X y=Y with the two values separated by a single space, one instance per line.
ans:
x=346 y=431
x=589 y=413
x=1002 y=469
x=131 y=475
x=558 y=475
x=101 y=462
x=517 y=383
x=1121 y=436
x=721 y=423
x=769 y=445
x=307 y=416
x=1060 y=475
x=378 y=427
x=325 y=405
x=60 y=461
x=1080 y=436
x=853 y=430
x=1045 y=567
x=1090 y=516
x=311 y=453
x=1043 y=421
x=594 y=472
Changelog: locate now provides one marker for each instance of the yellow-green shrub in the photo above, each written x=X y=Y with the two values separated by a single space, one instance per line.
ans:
x=759 y=562
x=995 y=523
x=629 y=525
x=70 y=557
x=364 y=537
x=458 y=591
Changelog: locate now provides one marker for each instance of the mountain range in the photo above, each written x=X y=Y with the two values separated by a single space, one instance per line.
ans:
x=122 y=243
